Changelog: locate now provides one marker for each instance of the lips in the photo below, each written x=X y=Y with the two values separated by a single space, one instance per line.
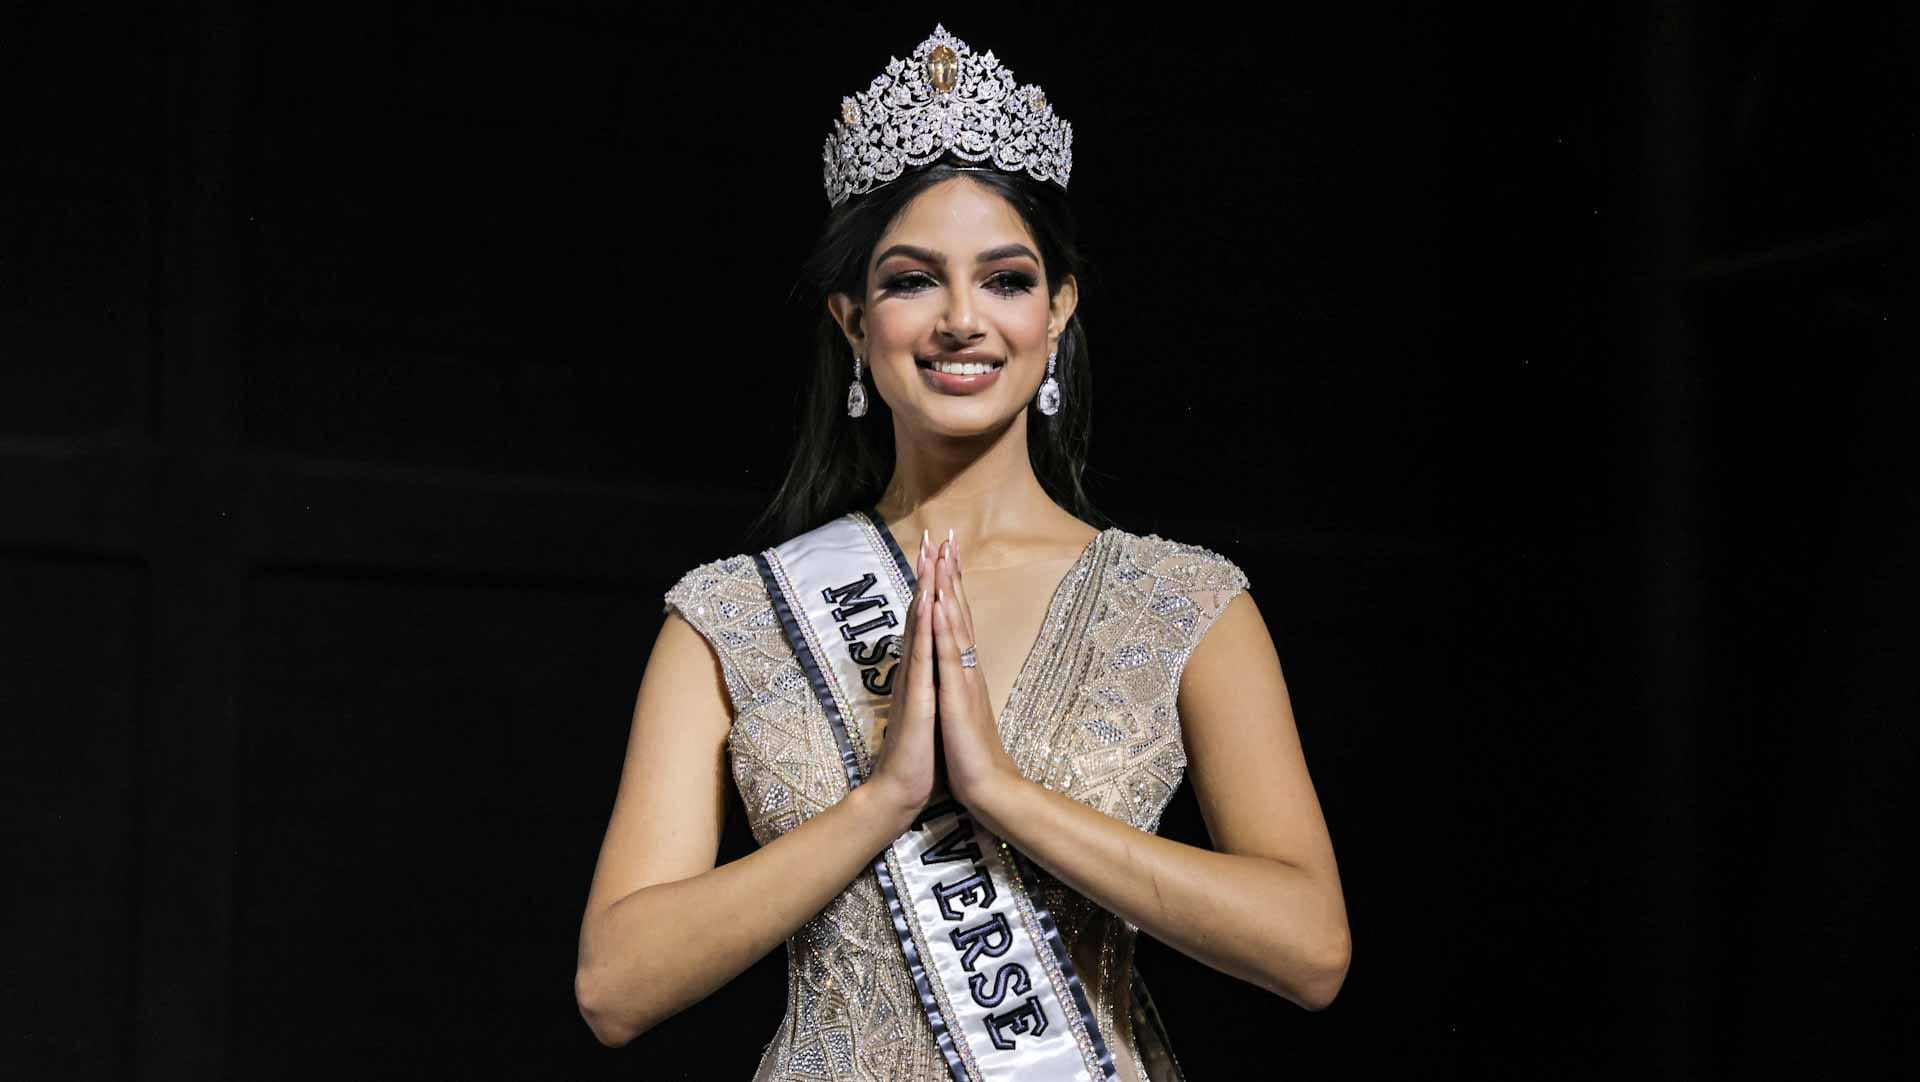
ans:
x=968 y=357
x=960 y=382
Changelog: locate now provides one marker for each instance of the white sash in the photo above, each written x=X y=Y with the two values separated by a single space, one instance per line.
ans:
x=993 y=976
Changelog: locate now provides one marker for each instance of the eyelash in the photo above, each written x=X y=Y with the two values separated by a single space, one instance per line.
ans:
x=1016 y=282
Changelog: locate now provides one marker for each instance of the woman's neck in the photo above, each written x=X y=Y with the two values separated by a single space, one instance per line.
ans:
x=982 y=489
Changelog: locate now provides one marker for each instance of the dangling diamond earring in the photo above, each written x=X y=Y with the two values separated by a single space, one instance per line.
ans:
x=856 y=392
x=1048 y=397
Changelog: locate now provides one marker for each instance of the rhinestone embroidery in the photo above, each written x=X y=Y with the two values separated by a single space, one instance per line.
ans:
x=1171 y=603
x=1096 y=719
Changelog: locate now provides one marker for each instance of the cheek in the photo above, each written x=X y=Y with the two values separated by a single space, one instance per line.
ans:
x=900 y=325
x=1038 y=316
x=1026 y=328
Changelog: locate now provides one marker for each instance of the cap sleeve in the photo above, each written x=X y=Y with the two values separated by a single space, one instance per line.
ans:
x=1194 y=586
x=726 y=602
x=1220 y=581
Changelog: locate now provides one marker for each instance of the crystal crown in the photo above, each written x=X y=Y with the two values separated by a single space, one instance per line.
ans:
x=944 y=98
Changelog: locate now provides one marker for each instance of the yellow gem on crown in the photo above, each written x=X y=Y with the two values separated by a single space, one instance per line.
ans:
x=849 y=112
x=943 y=68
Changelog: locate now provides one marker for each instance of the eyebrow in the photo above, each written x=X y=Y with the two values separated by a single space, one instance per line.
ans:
x=928 y=255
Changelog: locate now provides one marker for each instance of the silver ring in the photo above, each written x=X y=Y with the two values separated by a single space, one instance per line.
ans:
x=967 y=660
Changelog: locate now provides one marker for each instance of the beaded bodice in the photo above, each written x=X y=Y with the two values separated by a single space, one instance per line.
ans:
x=1092 y=716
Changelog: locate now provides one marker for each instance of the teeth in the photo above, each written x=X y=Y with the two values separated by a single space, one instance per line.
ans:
x=952 y=369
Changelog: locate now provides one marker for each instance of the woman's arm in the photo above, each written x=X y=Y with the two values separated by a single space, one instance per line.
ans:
x=1267 y=906
x=664 y=928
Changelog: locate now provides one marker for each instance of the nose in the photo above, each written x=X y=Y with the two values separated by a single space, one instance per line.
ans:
x=960 y=320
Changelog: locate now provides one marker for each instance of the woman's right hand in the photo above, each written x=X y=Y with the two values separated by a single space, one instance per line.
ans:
x=906 y=771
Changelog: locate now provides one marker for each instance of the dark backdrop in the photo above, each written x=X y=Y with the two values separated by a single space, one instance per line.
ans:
x=369 y=375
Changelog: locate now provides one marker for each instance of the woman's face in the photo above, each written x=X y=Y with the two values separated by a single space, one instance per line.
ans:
x=956 y=324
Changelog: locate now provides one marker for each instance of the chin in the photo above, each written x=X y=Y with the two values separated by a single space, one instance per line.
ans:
x=962 y=418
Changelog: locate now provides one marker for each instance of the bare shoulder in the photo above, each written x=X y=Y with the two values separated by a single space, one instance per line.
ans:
x=670 y=806
x=1245 y=760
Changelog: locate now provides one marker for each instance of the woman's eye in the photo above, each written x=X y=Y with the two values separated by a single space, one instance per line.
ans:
x=1010 y=283
x=906 y=283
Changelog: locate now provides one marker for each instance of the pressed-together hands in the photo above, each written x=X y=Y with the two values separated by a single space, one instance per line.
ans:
x=906 y=771
x=962 y=753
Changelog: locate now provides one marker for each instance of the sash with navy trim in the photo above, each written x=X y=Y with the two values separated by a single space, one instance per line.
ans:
x=992 y=973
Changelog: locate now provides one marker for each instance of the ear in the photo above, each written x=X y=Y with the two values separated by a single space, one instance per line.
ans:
x=852 y=319
x=1061 y=306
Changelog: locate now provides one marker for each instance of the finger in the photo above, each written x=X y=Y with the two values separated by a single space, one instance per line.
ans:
x=960 y=690
x=947 y=642
x=924 y=575
x=956 y=584
x=921 y=648
x=959 y=617
x=946 y=653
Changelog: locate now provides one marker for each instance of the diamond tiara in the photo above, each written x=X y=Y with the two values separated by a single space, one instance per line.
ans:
x=944 y=99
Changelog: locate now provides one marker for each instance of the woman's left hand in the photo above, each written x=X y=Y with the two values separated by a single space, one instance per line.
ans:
x=969 y=735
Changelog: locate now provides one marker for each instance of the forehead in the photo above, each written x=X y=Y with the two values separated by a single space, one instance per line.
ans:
x=957 y=216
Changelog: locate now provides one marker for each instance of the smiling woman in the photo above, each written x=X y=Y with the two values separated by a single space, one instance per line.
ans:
x=955 y=371
x=955 y=768
x=890 y=250
x=927 y=320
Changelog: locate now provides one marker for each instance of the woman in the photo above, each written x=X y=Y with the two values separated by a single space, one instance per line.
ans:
x=1001 y=718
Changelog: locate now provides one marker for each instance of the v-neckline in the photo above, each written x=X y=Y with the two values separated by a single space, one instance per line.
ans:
x=1046 y=614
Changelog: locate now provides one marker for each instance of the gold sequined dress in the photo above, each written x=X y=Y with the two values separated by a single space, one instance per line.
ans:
x=1091 y=714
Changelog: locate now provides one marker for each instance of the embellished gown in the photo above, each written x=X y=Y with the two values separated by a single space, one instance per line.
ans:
x=1091 y=715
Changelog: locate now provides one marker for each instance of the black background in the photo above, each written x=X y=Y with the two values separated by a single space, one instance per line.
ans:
x=367 y=375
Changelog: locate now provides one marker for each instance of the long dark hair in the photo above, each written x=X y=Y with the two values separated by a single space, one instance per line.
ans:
x=841 y=463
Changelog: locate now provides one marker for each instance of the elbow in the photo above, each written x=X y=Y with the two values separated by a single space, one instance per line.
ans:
x=1314 y=980
x=1326 y=973
x=597 y=1010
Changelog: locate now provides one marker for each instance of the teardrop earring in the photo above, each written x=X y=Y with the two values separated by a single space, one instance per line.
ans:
x=1048 y=397
x=856 y=392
